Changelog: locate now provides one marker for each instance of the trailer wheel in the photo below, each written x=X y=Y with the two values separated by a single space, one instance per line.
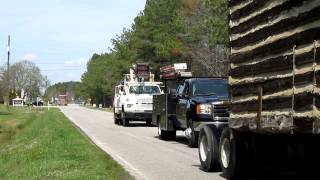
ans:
x=193 y=139
x=209 y=149
x=125 y=121
x=165 y=135
x=233 y=155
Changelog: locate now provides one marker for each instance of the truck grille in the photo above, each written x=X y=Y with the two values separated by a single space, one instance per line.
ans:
x=146 y=107
x=144 y=101
x=220 y=110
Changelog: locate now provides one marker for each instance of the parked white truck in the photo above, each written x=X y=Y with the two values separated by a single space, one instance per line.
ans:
x=133 y=97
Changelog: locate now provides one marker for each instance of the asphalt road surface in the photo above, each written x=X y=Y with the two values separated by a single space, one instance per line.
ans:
x=138 y=148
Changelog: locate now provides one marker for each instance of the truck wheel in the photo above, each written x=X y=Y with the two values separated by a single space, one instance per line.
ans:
x=149 y=122
x=193 y=137
x=125 y=121
x=165 y=135
x=116 y=121
x=233 y=155
x=209 y=149
x=115 y=117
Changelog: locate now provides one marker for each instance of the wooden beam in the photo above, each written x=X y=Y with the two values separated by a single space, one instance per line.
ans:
x=281 y=45
x=272 y=85
x=249 y=9
x=272 y=29
x=260 y=95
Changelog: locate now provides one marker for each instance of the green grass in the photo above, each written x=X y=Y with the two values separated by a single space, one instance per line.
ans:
x=39 y=144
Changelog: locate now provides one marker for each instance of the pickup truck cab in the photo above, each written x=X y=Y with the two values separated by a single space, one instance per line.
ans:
x=197 y=102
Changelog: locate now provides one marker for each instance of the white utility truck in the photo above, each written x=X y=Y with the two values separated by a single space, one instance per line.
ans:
x=134 y=96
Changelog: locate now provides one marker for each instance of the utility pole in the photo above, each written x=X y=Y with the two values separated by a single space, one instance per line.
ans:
x=8 y=74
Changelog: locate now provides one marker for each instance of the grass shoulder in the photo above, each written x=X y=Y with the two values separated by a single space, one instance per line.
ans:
x=39 y=144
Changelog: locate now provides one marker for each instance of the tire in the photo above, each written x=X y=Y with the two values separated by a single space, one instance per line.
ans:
x=165 y=135
x=193 y=140
x=233 y=155
x=115 y=119
x=148 y=122
x=209 y=149
x=125 y=121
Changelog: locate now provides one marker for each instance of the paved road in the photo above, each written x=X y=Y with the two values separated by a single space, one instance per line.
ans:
x=138 y=149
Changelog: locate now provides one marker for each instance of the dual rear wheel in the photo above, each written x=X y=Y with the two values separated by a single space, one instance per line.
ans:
x=222 y=153
x=208 y=149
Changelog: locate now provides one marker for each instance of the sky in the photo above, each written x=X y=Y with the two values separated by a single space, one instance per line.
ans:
x=60 y=36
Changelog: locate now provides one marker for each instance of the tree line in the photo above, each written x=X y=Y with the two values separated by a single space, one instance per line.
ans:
x=165 y=32
x=25 y=81
x=71 y=89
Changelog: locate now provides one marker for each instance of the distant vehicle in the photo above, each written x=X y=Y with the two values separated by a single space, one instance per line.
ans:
x=63 y=100
x=37 y=103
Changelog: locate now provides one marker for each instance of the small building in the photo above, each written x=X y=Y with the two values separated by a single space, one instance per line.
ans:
x=18 y=102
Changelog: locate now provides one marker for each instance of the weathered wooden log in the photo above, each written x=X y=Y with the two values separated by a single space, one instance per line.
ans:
x=302 y=102
x=279 y=63
x=235 y=2
x=276 y=28
x=281 y=45
x=280 y=124
x=273 y=85
x=271 y=65
x=247 y=10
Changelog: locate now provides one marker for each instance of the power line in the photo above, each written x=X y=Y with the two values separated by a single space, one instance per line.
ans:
x=75 y=69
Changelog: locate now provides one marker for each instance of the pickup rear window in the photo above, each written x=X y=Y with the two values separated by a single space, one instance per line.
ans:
x=210 y=87
x=144 y=90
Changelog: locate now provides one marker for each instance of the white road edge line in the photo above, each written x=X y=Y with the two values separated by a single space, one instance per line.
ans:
x=128 y=166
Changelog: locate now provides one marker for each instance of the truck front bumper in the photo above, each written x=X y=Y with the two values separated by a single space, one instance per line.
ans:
x=139 y=116
x=219 y=122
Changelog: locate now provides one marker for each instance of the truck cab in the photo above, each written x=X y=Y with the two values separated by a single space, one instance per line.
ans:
x=133 y=99
x=201 y=101
x=197 y=102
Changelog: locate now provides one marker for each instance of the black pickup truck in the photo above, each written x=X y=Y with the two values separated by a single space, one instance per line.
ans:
x=194 y=103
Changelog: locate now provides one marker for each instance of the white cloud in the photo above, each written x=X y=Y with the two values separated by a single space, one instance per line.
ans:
x=30 y=57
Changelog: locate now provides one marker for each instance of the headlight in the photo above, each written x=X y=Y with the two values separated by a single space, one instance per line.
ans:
x=204 y=109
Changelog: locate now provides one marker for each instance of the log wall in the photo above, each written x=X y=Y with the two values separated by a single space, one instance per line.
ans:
x=275 y=46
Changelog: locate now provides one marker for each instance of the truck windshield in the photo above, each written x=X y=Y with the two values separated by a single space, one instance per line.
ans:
x=210 y=87
x=144 y=90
